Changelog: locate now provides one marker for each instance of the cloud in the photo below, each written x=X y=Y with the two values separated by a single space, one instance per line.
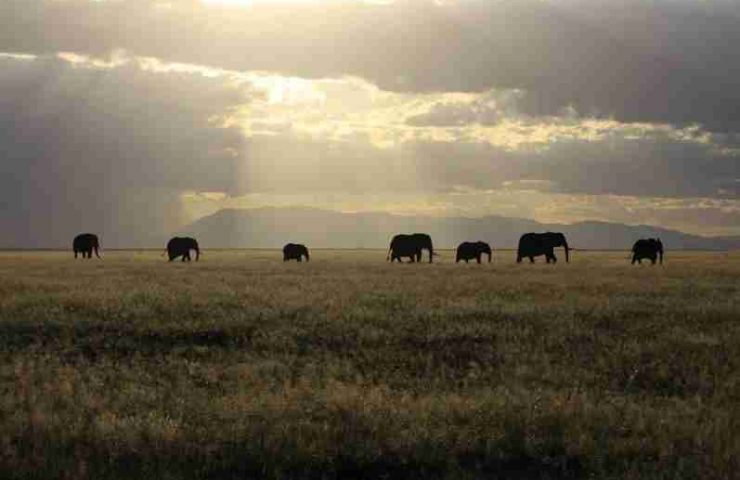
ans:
x=134 y=147
x=107 y=148
x=667 y=61
x=486 y=109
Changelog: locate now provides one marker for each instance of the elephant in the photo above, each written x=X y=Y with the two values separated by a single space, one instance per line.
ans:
x=535 y=244
x=86 y=244
x=181 y=246
x=472 y=250
x=295 y=251
x=411 y=246
x=647 y=248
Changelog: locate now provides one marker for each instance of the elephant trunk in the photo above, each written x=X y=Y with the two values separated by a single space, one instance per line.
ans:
x=431 y=252
x=96 y=251
x=307 y=257
x=197 y=253
x=567 y=251
x=489 y=256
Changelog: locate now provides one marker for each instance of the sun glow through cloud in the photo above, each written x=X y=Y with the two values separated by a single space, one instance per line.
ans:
x=249 y=3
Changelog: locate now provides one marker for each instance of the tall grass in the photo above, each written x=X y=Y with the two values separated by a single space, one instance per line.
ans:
x=242 y=366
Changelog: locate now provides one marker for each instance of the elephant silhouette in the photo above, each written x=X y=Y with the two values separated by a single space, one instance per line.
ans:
x=295 y=251
x=181 y=247
x=472 y=250
x=650 y=248
x=411 y=246
x=535 y=244
x=85 y=244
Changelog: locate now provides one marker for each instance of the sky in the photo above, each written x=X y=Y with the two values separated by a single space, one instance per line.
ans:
x=136 y=117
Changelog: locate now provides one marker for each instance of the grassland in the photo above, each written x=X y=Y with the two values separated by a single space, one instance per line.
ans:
x=241 y=366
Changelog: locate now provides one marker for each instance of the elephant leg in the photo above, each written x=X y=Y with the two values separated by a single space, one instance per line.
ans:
x=478 y=259
x=75 y=253
x=531 y=259
x=299 y=259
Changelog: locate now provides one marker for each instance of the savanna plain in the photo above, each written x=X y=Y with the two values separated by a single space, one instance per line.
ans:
x=242 y=366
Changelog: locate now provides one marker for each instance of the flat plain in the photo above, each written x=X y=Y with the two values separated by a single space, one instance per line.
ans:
x=242 y=366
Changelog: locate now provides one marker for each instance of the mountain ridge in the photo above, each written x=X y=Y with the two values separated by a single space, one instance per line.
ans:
x=272 y=227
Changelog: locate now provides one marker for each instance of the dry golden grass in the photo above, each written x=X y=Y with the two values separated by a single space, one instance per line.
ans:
x=242 y=366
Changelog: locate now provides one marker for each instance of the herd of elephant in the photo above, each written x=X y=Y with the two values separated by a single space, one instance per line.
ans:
x=409 y=246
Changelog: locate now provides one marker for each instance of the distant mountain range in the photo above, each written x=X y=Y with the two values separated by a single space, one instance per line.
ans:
x=273 y=227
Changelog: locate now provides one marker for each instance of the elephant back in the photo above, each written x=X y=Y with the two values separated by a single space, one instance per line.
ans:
x=85 y=240
x=182 y=243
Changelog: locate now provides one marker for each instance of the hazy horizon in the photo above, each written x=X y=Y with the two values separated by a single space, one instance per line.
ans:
x=272 y=227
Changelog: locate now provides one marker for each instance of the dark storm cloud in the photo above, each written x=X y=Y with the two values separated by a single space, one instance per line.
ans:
x=672 y=61
x=106 y=149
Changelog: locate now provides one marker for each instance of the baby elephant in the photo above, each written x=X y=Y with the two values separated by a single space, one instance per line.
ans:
x=472 y=250
x=86 y=244
x=651 y=248
x=295 y=251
